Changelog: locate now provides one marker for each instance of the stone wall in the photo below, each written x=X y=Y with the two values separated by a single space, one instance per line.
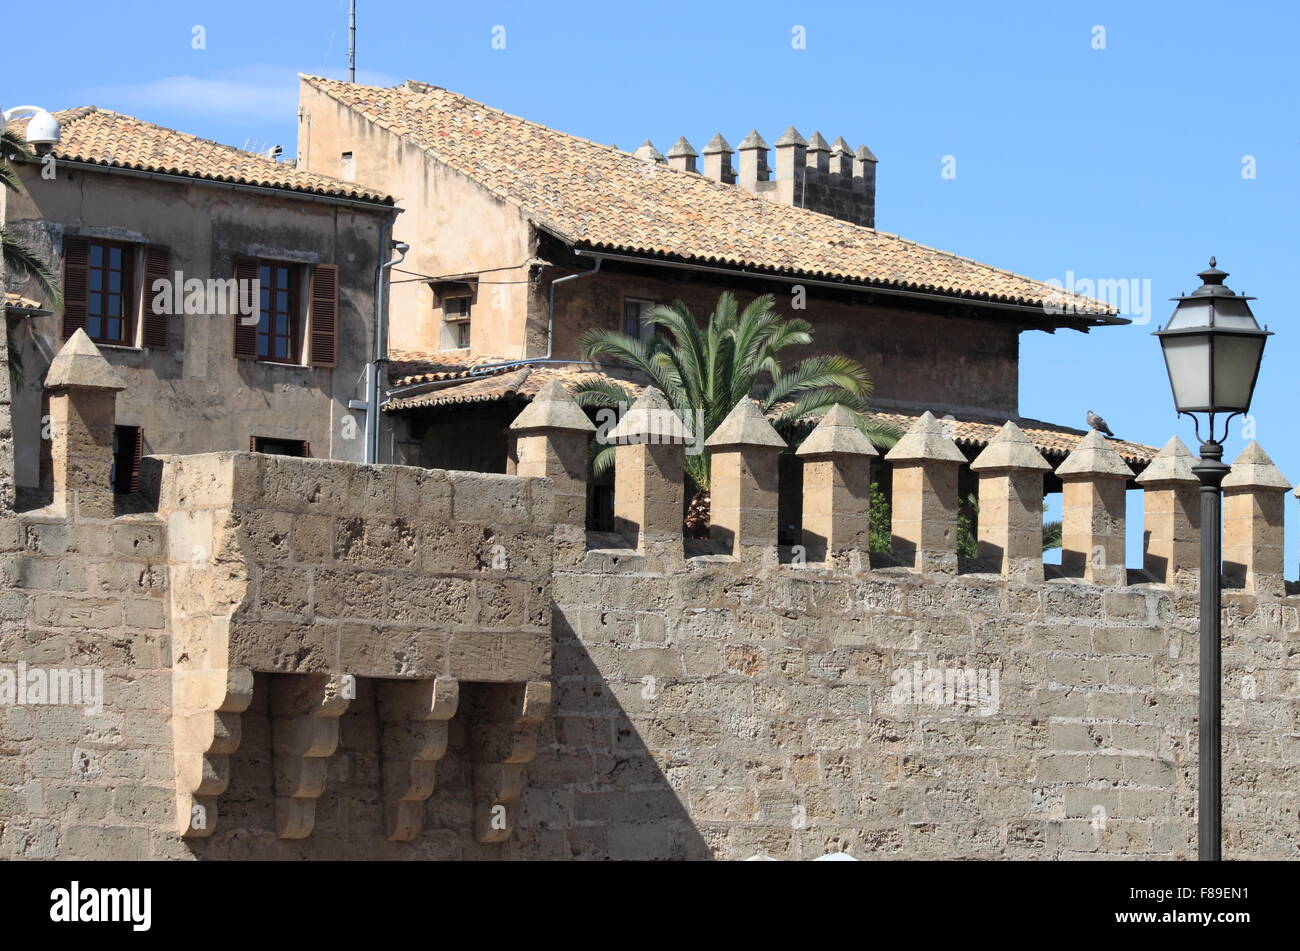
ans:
x=312 y=659
x=718 y=711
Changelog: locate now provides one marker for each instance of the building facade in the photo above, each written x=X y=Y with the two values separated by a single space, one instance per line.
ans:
x=120 y=205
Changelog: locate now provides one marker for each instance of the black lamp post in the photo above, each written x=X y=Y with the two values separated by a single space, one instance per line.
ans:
x=1213 y=349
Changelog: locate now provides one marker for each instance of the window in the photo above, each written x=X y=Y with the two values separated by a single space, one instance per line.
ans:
x=635 y=313
x=128 y=449
x=456 y=313
x=110 y=292
x=277 y=326
x=281 y=447
x=288 y=328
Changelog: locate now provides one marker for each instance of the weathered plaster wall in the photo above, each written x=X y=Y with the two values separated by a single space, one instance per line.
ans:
x=195 y=396
x=941 y=363
x=452 y=225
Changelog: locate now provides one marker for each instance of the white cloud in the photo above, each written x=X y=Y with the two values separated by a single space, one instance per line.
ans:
x=247 y=93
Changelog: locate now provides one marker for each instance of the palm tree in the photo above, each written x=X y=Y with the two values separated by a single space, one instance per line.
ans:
x=704 y=370
x=20 y=258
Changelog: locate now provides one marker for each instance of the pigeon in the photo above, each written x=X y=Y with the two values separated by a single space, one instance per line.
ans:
x=1099 y=424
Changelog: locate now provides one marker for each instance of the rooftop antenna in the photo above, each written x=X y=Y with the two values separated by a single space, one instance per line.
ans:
x=352 y=41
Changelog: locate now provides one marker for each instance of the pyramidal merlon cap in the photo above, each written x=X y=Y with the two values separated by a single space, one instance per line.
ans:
x=80 y=365
x=1253 y=469
x=925 y=442
x=552 y=408
x=650 y=420
x=837 y=435
x=1173 y=463
x=745 y=425
x=1010 y=449
x=1093 y=455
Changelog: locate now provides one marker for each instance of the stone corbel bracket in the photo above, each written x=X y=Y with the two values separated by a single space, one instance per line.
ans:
x=206 y=710
x=504 y=740
x=413 y=719
x=305 y=711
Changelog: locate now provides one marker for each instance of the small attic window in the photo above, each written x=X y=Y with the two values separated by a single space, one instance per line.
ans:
x=347 y=167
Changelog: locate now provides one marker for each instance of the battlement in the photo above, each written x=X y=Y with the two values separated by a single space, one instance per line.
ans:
x=833 y=179
x=314 y=659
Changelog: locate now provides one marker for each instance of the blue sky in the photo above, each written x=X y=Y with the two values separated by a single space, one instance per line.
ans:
x=1118 y=163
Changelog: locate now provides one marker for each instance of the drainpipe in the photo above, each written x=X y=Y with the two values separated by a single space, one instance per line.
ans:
x=376 y=368
x=415 y=388
x=550 y=310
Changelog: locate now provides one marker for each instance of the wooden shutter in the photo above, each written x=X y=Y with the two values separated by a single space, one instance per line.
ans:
x=306 y=449
x=76 y=283
x=137 y=453
x=245 y=334
x=252 y=444
x=322 y=342
x=157 y=265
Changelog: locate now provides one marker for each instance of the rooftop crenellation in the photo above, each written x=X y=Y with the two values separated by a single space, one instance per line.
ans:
x=833 y=179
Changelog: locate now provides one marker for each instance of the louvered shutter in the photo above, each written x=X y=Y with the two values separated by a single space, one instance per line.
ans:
x=306 y=449
x=245 y=334
x=157 y=266
x=137 y=453
x=322 y=343
x=76 y=281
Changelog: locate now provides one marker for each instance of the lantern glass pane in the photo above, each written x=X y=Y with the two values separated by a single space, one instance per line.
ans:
x=1188 y=360
x=1197 y=312
x=1236 y=360
x=1234 y=314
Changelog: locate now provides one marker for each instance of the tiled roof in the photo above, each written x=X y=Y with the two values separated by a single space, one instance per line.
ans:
x=18 y=303
x=598 y=197
x=408 y=367
x=94 y=135
x=967 y=430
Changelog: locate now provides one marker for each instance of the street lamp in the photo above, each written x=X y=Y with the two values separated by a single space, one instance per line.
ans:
x=1212 y=349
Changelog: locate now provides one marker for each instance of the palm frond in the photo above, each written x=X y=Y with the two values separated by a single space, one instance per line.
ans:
x=816 y=372
x=22 y=260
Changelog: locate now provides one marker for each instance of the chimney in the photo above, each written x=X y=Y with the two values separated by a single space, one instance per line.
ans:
x=717 y=161
x=682 y=156
x=648 y=153
x=753 y=161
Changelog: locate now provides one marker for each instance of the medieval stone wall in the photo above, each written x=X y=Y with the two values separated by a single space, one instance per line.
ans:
x=313 y=659
x=718 y=711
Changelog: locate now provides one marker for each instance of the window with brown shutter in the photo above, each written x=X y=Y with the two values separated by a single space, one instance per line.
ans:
x=323 y=318
x=280 y=447
x=157 y=266
x=76 y=278
x=246 y=333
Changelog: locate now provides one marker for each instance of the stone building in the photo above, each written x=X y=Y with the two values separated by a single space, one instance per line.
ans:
x=524 y=237
x=272 y=656
x=120 y=204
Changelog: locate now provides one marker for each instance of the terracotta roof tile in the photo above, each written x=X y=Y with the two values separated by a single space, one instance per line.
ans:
x=601 y=198
x=967 y=430
x=409 y=367
x=19 y=303
x=97 y=136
